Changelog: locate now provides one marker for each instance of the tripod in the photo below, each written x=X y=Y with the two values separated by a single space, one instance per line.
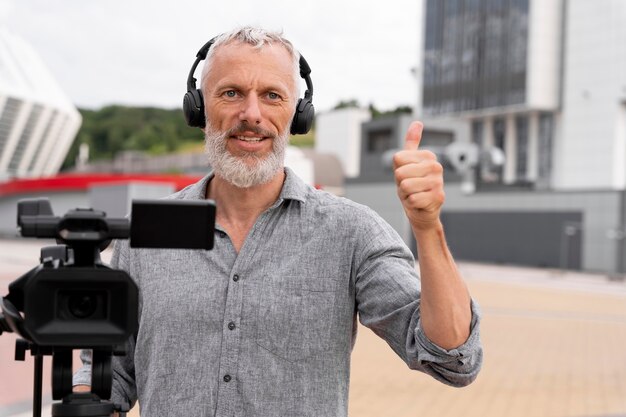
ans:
x=74 y=404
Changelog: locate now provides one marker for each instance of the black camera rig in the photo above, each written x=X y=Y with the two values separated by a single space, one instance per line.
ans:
x=72 y=300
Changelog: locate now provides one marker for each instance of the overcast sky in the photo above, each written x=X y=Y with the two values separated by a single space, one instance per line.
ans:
x=138 y=52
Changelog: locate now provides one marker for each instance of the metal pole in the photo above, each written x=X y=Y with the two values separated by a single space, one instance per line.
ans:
x=619 y=244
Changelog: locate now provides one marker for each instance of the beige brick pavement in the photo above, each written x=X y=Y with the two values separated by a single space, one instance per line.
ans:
x=552 y=349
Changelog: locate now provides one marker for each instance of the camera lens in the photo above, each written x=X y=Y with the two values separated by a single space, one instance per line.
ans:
x=82 y=306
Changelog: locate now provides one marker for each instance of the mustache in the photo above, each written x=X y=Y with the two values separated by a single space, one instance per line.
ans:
x=246 y=127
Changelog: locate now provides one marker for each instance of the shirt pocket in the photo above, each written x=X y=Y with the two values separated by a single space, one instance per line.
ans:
x=296 y=316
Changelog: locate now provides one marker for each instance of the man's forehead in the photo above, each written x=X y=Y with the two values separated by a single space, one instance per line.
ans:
x=236 y=61
x=238 y=48
x=271 y=58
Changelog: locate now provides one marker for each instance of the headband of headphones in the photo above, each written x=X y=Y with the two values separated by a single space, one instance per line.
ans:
x=193 y=102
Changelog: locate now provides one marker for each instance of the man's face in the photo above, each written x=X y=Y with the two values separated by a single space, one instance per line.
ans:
x=249 y=99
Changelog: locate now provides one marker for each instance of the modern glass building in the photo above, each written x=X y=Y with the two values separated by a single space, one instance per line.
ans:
x=474 y=55
x=37 y=121
x=497 y=66
x=545 y=82
x=541 y=83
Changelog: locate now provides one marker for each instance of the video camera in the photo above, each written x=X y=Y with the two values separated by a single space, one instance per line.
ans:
x=72 y=300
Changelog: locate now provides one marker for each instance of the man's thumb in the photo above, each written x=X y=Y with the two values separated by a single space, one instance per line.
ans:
x=413 y=136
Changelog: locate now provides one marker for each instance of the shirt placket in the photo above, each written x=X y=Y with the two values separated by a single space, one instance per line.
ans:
x=229 y=401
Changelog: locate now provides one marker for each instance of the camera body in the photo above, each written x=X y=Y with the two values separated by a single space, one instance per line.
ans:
x=78 y=307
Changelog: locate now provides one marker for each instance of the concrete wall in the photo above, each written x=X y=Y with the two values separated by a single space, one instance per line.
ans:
x=534 y=238
x=601 y=230
x=60 y=202
x=591 y=150
x=116 y=200
x=338 y=132
x=600 y=216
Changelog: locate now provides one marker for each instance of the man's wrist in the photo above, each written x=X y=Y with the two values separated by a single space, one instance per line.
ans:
x=425 y=229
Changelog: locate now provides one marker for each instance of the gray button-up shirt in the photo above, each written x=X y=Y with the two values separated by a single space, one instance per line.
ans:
x=269 y=331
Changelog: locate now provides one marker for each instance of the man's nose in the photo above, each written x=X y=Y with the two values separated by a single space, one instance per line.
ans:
x=251 y=111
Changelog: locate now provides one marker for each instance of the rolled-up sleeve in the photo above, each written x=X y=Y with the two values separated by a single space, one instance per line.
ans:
x=388 y=302
x=456 y=367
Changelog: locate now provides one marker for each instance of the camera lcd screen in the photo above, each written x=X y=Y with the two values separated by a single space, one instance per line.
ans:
x=179 y=224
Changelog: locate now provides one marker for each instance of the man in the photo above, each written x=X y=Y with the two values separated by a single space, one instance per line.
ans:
x=263 y=325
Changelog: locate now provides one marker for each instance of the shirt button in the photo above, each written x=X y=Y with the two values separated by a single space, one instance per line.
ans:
x=227 y=378
x=231 y=326
x=235 y=277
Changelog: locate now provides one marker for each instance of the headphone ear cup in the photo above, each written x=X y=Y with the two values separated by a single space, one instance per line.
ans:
x=193 y=108
x=303 y=117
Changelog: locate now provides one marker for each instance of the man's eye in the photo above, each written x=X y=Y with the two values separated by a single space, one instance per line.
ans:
x=230 y=93
x=273 y=96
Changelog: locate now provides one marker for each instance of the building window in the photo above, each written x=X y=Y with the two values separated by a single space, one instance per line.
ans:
x=25 y=138
x=380 y=140
x=474 y=54
x=44 y=138
x=546 y=132
x=477 y=132
x=521 y=134
x=436 y=139
x=499 y=133
x=7 y=119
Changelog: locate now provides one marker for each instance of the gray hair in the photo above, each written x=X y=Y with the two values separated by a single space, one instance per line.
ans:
x=257 y=38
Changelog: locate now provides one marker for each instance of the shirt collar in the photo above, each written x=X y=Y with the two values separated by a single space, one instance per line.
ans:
x=293 y=188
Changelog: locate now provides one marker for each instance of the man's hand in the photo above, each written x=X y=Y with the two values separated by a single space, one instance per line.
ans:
x=445 y=301
x=419 y=178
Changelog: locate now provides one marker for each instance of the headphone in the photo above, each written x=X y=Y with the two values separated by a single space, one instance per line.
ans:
x=193 y=102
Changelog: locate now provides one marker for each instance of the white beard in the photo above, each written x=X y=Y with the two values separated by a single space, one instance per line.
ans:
x=246 y=170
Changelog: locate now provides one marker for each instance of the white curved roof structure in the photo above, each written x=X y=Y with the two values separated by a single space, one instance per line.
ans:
x=37 y=121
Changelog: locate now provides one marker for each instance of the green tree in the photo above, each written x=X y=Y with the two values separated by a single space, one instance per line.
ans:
x=112 y=129
x=376 y=113
x=345 y=104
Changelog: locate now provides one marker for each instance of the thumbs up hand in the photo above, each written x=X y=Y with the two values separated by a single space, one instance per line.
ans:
x=419 y=180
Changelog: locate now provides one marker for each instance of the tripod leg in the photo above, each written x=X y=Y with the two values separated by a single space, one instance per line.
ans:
x=61 y=374
x=37 y=390
x=101 y=374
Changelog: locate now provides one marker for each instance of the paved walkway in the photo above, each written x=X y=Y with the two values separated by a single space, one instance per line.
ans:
x=555 y=346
